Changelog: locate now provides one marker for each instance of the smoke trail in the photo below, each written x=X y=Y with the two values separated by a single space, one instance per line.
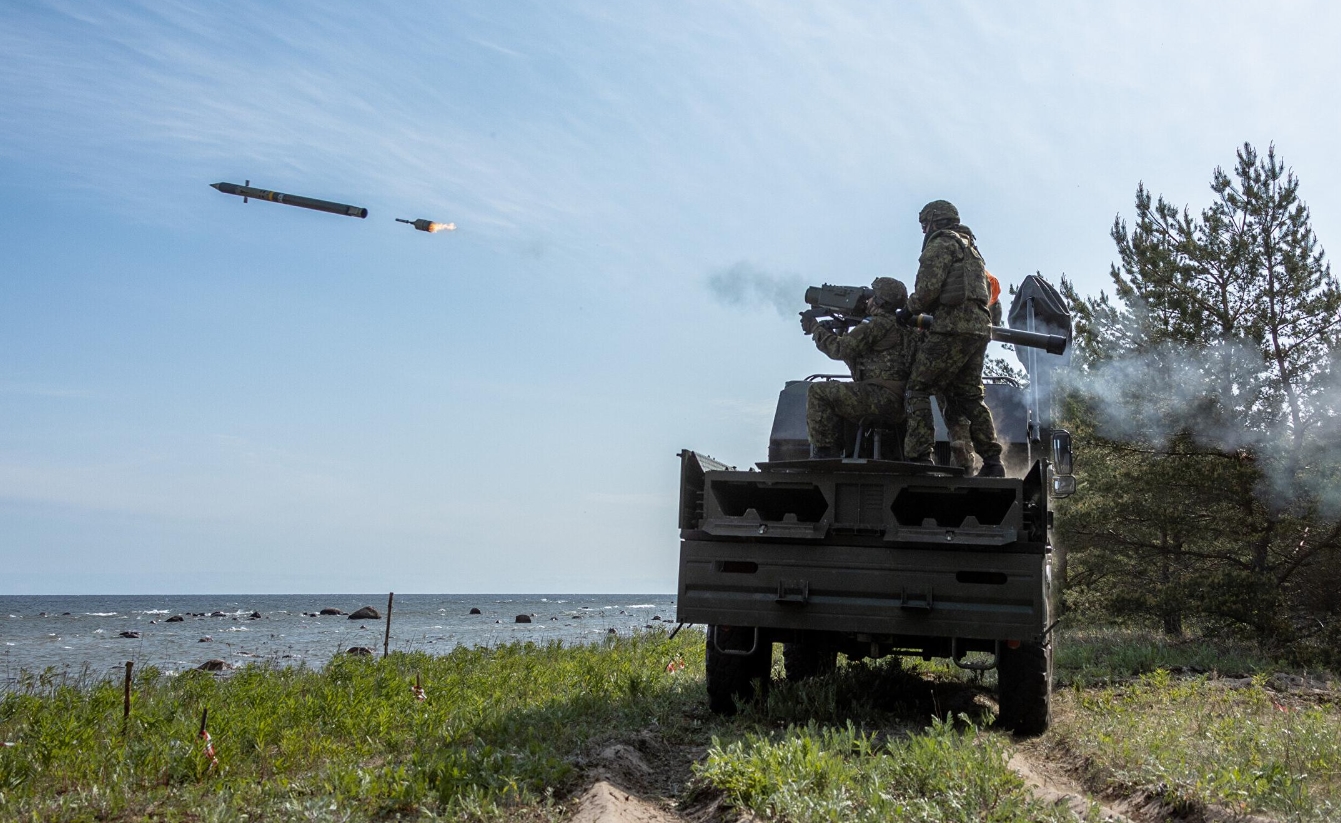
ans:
x=1214 y=393
x=1224 y=397
x=743 y=284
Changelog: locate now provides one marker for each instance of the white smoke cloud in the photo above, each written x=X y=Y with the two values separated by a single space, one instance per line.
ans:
x=745 y=285
x=1225 y=397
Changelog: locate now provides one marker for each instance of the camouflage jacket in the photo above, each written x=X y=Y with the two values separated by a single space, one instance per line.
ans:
x=951 y=284
x=877 y=348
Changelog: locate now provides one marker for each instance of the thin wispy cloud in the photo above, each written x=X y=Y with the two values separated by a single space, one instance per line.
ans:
x=267 y=90
x=53 y=392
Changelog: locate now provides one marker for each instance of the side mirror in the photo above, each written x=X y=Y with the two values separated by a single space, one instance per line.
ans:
x=1063 y=486
x=1061 y=452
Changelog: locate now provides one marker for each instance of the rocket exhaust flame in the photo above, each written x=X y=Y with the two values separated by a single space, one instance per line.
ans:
x=428 y=225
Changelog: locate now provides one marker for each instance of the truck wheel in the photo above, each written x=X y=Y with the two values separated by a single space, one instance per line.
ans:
x=731 y=676
x=1024 y=688
x=807 y=659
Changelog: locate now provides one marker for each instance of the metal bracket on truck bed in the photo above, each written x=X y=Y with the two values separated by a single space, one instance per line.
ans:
x=917 y=603
x=718 y=646
x=793 y=592
x=977 y=667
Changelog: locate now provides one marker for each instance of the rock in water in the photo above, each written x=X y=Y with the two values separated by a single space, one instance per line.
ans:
x=331 y=611
x=523 y=618
x=362 y=651
x=366 y=613
x=474 y=611
x=176 y=618
x=215 y=665
x=130 y=635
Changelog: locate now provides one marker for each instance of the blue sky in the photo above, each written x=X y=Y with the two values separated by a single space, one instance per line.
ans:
x=198 y=395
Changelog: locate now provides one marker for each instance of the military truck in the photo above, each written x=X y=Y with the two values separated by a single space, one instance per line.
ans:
x=868 y=556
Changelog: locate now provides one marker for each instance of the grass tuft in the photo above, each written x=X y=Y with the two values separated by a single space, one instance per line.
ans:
x=814 y=773
x=1236 y=744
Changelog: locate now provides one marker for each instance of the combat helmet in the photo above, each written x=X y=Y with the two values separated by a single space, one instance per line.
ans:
x=889 y=291
x=938 y=211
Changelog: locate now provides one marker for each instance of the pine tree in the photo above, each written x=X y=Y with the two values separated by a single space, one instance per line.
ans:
x=1210 y=395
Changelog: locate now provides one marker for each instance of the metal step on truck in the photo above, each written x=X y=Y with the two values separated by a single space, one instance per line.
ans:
x=866 y=557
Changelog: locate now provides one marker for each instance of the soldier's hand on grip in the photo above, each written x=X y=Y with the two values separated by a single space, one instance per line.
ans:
x=808 y=322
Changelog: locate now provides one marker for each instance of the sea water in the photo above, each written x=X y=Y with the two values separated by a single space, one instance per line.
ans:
x=83 y=634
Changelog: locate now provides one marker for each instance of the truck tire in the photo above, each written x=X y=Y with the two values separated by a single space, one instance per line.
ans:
x=808 y=658
x=731 y=677
x=1024 y=689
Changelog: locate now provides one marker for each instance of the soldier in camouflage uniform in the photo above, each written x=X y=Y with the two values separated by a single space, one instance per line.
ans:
x=879 y=352
x=952 y=286
x=961 y=441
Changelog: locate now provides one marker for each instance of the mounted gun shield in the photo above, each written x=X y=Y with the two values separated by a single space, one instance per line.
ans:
x=1040 y=310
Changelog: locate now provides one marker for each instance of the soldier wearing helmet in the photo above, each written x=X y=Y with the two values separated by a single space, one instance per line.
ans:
x=952 y=285
x=879 y=352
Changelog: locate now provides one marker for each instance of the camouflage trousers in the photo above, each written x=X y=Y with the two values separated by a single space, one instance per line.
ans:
x=961 y=441
x=949 y=366
x=829 y=404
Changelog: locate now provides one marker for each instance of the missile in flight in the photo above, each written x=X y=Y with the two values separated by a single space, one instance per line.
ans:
x=246 y=192
x=428 y=225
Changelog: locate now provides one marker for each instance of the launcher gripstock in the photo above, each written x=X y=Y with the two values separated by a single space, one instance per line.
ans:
x=847 y=305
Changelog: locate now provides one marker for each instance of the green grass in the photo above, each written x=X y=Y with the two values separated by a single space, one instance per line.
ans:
x=886 y=741
x=509 y=733
x=812 y=774
x=499 y=732
x=1104 y=655
x=1196 y=740
x=1146 y=713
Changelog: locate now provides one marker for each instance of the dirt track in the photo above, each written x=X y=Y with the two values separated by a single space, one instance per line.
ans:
x=625 y=790
x=645 y=779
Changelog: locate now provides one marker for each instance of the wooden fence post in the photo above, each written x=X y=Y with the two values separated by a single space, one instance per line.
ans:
x=130 y=664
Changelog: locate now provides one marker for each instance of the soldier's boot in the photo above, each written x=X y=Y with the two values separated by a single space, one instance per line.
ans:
x=961 y=454
x=825 y=452
x=991 y=467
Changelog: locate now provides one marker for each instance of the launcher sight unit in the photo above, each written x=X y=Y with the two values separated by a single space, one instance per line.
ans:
x=838 y=308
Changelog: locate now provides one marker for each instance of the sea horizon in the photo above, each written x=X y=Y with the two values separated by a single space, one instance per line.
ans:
x=98 y=633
